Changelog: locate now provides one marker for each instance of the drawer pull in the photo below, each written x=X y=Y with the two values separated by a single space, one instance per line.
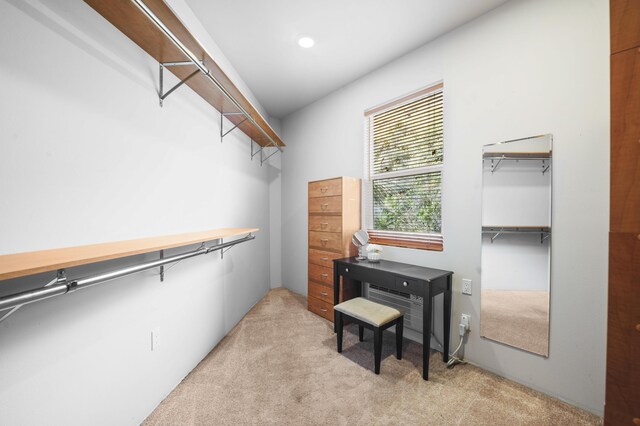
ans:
x=323 y=309
x=346 y=269
x=324 y=275
x=324 y=241
x=322 y=293
x=324 y=258
x=323 y=189
x=404 y=283
x=324 y=206
x=324 y=224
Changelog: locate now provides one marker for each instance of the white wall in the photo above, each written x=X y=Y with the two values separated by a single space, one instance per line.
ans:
x=88 y=156
x=526 y=68
x=516 y=194
x=275 y=216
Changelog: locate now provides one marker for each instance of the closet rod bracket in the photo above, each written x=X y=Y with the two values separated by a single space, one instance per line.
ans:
x=494 y=167
x=228 y=114
x=222 y=135
x=61 y=278
x=162 y=95
x=263 y=159
x=545 y=166
x=254 y=153
x=224 y=250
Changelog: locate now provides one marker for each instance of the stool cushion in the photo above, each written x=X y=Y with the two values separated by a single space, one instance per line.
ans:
x=368 y=311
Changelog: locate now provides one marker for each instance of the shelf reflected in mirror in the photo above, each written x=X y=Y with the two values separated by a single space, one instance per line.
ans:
x=516 y=243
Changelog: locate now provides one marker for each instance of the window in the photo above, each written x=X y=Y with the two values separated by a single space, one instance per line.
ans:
x=404 y=152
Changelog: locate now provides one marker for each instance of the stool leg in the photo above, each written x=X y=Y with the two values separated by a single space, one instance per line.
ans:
x=361 y=333
x=399 y=330
x=377 y=348
x=339 y=329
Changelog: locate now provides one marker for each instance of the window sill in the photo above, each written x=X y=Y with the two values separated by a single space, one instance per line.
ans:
x=406 y=240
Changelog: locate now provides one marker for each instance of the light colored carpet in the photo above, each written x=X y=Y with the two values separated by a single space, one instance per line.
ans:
x=517 y=318
x=279 y=365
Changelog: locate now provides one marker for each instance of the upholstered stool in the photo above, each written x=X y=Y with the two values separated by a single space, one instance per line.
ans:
x=371 y=315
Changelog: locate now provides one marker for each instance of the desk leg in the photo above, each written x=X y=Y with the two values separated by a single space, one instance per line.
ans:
x=447 y=319
x=336 y=294
x=426 y=333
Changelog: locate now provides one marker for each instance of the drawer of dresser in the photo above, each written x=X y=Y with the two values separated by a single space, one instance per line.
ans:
x=326 y=241
x=407 y=285
x=325 y=188
x=323 y=258
x=321 y=274
x=325 y=204
x=321 y=291
x=325 y=223
x=321 y=308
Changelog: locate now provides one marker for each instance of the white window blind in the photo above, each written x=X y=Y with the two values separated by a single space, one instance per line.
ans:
x=404 y=153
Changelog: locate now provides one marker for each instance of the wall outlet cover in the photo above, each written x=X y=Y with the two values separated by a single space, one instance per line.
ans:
x=155 y=339
x=466 y=286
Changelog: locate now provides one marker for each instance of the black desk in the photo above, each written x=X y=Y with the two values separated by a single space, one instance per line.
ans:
x=404 y=278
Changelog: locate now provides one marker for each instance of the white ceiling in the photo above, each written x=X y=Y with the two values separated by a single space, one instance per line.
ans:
x=353 y=37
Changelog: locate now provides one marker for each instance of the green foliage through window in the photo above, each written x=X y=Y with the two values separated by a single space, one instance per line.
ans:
x=408 y=204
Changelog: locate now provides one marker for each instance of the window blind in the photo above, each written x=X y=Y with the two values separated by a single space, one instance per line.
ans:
x=404 y=152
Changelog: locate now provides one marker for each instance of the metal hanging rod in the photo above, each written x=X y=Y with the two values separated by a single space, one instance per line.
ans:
x=61 y=285
x=195 y=61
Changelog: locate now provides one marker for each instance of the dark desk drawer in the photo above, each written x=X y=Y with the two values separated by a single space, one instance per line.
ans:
x=366 y=274
x=407 y=285
x=346 y=271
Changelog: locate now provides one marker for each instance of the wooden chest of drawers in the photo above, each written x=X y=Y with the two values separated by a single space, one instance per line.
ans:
x=334 y=215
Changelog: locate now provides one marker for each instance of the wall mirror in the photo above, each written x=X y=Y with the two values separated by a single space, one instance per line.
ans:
x=516 y=243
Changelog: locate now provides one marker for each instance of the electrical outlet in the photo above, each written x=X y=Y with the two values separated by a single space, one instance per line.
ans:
x=466 y=286
x=465 y=320
x=155 y=339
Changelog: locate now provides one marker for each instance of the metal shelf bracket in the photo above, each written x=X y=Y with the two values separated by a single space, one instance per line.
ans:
x=163 y=95
x=545 y=166
x=254 y=153
x=494 y=167
x=261 y=151
x=222 y=116
x=60 y=278
x=263 y=159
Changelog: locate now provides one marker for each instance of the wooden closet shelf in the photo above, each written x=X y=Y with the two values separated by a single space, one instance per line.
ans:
x=135 y=24
x=34 y=262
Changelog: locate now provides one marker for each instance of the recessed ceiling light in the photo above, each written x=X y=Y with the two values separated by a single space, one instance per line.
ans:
x=306 y=42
